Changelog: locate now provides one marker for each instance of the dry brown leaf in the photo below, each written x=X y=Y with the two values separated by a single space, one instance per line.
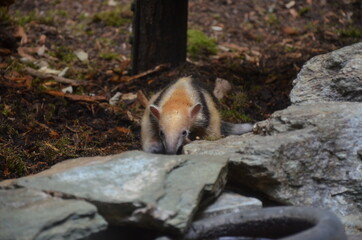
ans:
x=24 y=52
x=290 y=30
x=54 y=134
x=228 y=55
x=74 y=97
x=235 y=47
x=271 y=79
x=222 y=88
x=42 y=39
x=132 y=118
x=142 y=98
x=6 y=171
x=123 y=130
x=41 y=75
x=3 y=65
x=51 y=146
x=55 y=93
x=124 y=66
x=15 y=79
x=150 y=81
x=294 y=13
x=5 y=51
x=115 y=78
x=21 y=34
x=294 y=55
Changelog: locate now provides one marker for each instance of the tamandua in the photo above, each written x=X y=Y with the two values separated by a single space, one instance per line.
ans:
x=180 y=113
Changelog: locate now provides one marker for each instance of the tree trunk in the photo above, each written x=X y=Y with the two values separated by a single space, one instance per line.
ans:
x=159 y=33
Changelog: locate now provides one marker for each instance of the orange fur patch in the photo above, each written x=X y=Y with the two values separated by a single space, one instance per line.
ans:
x=179 y=100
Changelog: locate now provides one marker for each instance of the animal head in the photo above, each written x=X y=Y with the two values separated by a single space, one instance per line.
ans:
x=175 y=125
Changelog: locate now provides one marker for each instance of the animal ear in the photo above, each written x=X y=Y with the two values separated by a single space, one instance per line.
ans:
x=195 y=110
x=155 y=111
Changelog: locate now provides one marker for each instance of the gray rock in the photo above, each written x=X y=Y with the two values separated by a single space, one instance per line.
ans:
x=335 y=76
x=135 y=188
x=30 y=214
x=229 y=202
x=310 y=156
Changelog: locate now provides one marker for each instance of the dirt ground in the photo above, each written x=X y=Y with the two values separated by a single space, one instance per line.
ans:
x=262 y=44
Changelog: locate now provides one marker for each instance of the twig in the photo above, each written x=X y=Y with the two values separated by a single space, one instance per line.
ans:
x=142 y=74
x=74 y=97
x=38 y=74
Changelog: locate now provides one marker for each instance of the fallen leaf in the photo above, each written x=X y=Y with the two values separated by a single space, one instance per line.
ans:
x=42 y=39
x=54 y=134
x=109 y=72
x=124 y=66
x=3 y=65
x=51 y=146
x=271 y=79
x=41 y=50
x=235 y=47
x=216 y=28
x=142 y=98
x=290 y=30
x=74 y=97
x=5 y=51
x=15 y=79
x=290 y=4
x=294 y=13
x=112 y=3
x=49 y=70
x=115 y=78
x=131 y=118
x=81 y=55
x=294 y=55
x=63 y=72
x=55 y=93
x=123 y=130
x=129 y=98
x=21 y=34
x=222 y=88
x=6 y=171
x=68 y=89
x=24 y=53
x=49 y=84
x=115 y=99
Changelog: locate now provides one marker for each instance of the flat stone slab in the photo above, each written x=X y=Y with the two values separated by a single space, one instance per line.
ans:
x=334 y=76
x=136 y=188
x=307 y=155
x=33 y=215
x=229 y=202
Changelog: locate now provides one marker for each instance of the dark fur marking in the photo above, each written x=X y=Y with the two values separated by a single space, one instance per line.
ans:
x=158 y=99
x=226 y=128
x=205 y=108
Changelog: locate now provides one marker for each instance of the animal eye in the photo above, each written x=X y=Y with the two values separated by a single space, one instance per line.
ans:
x=184 y=133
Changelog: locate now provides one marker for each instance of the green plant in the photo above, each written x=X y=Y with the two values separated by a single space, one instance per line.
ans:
x=303 y=11
x=350 y=32
x=238 y=100
x=108 y=55
x=14 y=161
x=4 y=15
x=272 y=19
x=115 y=18
x=22 y=18
x=199 y=45
x=63 y=53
